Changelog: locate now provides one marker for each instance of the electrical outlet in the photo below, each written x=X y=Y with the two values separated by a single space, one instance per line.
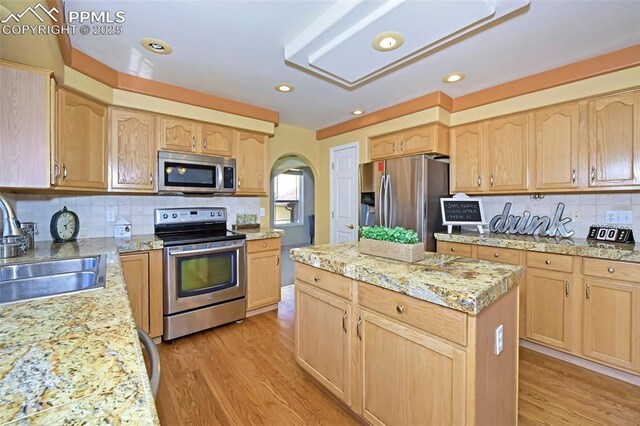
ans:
x=111 y=214
x=619 y=217
x=576 y=216
x=263 y=213
x=499 y=339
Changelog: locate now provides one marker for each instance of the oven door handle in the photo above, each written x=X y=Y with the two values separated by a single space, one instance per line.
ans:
x=205 y=251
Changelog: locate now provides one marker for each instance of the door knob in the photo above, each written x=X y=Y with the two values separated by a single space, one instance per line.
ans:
x=350 y=226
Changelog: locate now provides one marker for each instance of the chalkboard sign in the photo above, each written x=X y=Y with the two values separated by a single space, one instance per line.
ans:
x=462 y=211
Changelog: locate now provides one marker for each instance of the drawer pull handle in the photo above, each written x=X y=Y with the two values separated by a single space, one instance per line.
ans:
x=400 y=309
x=264 y=244
x=479 y=181
x=593 y=173
x=316 y=278
x=573 y=175
x=358 y=328
x=548 y=262
x=496 y=254
x=344 y=321
x=611 y=270
x=566 y=288
x=588 y=292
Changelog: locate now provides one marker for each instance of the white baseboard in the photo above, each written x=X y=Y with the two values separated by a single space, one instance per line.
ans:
x=581 y=362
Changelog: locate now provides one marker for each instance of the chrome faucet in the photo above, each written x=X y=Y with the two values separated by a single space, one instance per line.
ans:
x=10 y=224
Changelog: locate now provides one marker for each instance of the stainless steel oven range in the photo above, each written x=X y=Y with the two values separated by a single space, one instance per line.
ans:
x=204 y=270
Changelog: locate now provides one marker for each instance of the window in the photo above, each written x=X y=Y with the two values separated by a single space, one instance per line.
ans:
x=287 y=203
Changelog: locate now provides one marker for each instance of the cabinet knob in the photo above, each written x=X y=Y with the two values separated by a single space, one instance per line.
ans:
x=264 y=244
x=453 y=249
x=548 y=262
x=400 y=309
x=316 y=278
x=496 y=254
x=611 y=270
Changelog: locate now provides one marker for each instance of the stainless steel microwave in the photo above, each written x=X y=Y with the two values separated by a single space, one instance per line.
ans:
x=195 y=174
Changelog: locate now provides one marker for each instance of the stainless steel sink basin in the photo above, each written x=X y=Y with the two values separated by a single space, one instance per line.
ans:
x=24 y=281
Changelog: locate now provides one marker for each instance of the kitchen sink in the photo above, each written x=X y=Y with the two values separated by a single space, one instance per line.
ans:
x=25 y=281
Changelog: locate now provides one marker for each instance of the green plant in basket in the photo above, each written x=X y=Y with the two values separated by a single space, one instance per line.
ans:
x=394 y=235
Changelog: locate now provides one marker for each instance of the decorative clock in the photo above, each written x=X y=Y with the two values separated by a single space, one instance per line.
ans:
x=65 y=226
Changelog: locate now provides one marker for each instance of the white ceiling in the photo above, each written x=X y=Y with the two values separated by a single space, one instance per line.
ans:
x=235 y=49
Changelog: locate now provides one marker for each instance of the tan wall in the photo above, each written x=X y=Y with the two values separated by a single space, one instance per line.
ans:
x=290 y=140
x=591 y=87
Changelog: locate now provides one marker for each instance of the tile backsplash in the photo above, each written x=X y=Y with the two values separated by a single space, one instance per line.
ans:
x=137 y=209
x=591 y=208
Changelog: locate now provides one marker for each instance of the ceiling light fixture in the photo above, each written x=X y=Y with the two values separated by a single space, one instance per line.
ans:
x=387 y=41
x=284 y=87
x=156 y=46
x=358 y=111
x=452 y=78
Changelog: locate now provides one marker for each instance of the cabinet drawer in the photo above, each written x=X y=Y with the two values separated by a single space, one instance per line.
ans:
x=456 y=249
x=434 y=319
x=551 y=262
x=325 y=280
x=255 y=246
x=610 y=269
x=497 y=254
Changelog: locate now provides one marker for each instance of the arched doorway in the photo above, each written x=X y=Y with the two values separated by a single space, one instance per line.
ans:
x=292 y=205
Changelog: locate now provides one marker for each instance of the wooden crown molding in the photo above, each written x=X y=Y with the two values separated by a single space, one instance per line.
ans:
x=610 y=62
x=436 y=99
x=95 y=69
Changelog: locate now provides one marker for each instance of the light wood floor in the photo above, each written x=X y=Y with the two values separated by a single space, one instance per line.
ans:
x=246 y=374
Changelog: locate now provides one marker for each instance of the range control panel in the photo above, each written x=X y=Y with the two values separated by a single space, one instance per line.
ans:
x=190 y=215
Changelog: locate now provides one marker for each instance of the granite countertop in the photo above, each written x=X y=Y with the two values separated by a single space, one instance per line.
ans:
x=456 y=282
x=75 y=359
x=262 y=234
x=569 y=246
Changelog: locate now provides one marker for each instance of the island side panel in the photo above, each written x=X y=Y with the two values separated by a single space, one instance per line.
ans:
x=495 y=391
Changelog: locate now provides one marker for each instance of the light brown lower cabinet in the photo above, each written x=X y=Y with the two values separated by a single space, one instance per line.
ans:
x=263 y=274
x=587 y=307
x=369 y=348
x=143 y=276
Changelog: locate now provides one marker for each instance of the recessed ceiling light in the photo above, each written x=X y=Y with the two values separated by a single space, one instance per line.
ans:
x=284 y=87
x=452 y=78
x=156 y=46
x=387 y=41
x=358 y=111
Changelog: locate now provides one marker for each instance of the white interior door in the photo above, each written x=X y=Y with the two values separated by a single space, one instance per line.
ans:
x=345 y=200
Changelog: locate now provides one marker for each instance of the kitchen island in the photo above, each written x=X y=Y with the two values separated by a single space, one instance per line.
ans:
x=402 y=343
x=75 y=359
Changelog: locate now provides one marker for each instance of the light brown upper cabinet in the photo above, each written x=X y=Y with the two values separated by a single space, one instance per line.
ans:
x=614 y=140
x=25 y=127
x=81 y=142
x=556 y=145
x=177 y=134
x=215 y=140
x=506 y=146
x=133 y=150
x=433 y=138
x=467 y=158
x=251 y=161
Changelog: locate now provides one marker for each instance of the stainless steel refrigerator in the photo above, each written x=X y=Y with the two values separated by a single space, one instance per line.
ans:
x=406 y=192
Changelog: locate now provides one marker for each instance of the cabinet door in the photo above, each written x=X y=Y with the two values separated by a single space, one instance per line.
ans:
x=133 y=150
x=409 y=378
x=323 y=335
x=467 y=158
x=24 y=127
x=135 y=268
x=507 y=151
x=263 y=279
x=177 y=134
x=251 y=162
x=216 y=140
x=549 y=309
x=383 y=147
x=614 y=140
x=556 y=147
x=611 y=323
x=81 y=141
x=418 y=140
